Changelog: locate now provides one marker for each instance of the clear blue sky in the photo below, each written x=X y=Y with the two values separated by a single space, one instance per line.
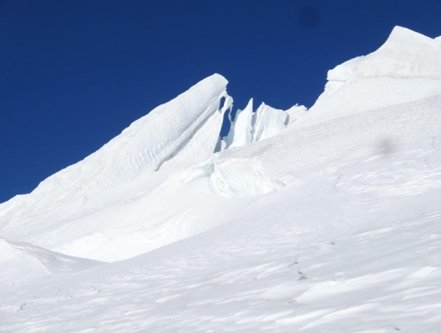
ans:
x=73 y=74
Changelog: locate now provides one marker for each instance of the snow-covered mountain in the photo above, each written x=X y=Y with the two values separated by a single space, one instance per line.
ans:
x=319 y=220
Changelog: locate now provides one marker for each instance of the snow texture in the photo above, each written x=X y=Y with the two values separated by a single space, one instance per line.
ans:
x=407 y=67
x=265 y=122
x=20 y=261
x=319 y=220
x=90 y=206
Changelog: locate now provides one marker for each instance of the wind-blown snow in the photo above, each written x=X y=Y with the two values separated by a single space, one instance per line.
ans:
x=20 y=262
x=320 y=220
x=407 y=67
x=405 y=54
x=97 y=207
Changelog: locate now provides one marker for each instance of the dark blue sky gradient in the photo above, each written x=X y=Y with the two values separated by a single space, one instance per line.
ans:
x=73 y=74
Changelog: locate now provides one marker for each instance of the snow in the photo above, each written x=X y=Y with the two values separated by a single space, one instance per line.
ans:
x=100 y=202
x=242 y=127
x=265 y=122
x=269 y=122
x=319 y=220
x=295 y=113
x=20 y=262
x=407 y=67
x=405 y=54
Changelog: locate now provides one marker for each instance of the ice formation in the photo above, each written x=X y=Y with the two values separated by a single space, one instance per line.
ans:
x=265 y=122
x=319 y=220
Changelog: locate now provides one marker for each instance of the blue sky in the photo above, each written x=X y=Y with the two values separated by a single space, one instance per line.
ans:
x=73 y=74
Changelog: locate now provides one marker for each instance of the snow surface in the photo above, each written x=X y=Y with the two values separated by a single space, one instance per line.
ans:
x=241 y=130
x=320 y=220
x=20 y=261
x=100 y=203
x=407 y=67
x=265 y=122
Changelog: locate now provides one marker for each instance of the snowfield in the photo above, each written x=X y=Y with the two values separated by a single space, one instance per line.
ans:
x=319 y=220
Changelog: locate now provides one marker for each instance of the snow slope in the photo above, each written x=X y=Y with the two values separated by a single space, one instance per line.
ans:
x=99 y=204
x=407 y=67
x=330 y=223
x=20 y=262
x=155 y=183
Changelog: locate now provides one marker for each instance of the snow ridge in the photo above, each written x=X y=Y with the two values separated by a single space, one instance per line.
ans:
x=305 y=221
x=406 y=68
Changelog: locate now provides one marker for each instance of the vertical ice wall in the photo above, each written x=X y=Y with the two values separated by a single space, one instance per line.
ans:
x=242 y=127
x=265 y=122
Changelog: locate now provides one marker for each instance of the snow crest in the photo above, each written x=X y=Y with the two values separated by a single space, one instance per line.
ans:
x=162 y=178
x=308 y=221
x=406 y=68
x=78 y=209
x=405 y=54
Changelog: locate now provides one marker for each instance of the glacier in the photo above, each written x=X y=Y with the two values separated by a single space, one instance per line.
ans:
x=324 y=219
